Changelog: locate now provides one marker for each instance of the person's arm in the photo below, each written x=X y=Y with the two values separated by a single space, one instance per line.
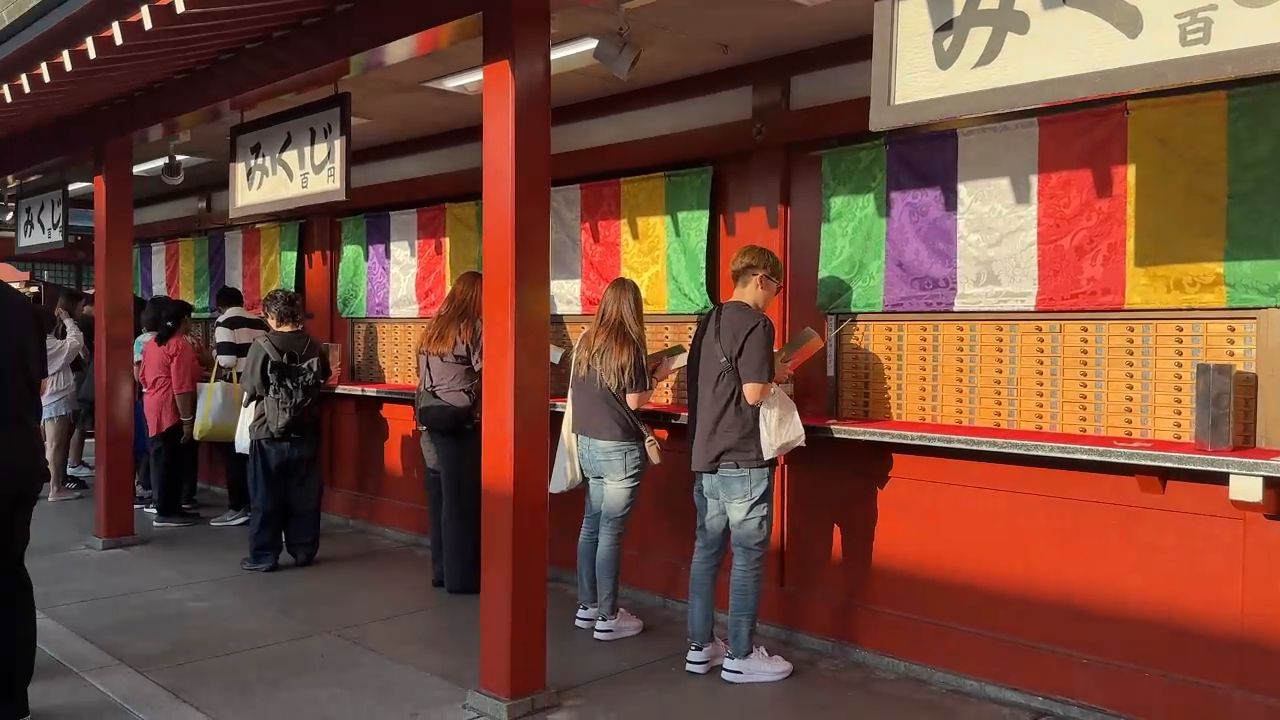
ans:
x=756 y=364
x=642 y=387
x=224 y=345
x=254 y=380
x=182 y=374
x=75 y=340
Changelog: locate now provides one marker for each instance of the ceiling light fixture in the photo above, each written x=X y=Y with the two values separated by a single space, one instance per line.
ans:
x=77 y=189
x=617 y=54
x=565 y=56
x=153 y=167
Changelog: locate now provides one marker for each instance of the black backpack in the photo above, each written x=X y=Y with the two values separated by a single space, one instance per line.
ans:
x=293 y=385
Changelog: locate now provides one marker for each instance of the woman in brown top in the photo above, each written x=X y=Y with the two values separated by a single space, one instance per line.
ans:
x=610 y=380
x=449 y=361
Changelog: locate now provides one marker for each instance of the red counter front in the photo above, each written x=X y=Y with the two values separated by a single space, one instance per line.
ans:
x=1058 y=577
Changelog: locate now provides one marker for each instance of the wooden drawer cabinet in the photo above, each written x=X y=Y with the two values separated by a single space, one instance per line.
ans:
x=1128 y=376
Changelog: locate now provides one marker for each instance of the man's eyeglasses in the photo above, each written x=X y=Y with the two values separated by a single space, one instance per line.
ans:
x=771 y=279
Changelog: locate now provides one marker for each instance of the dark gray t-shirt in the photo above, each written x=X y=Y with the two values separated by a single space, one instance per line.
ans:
x=455 y=377
x=598 y=413
x=724 y=427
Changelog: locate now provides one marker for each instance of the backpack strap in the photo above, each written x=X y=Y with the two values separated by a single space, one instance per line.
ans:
x=273 y=352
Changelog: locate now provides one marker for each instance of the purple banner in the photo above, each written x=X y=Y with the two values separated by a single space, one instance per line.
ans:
x=377 y=229
x=920 y=252
x=217 y=264
x=143 y=255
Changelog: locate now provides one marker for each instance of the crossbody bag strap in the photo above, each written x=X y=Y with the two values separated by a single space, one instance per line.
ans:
x=726 y=365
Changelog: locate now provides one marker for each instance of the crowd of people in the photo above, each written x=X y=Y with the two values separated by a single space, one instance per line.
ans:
x=276 y=486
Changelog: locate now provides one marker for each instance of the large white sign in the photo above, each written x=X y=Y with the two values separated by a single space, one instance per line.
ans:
x=40 y=221
x=945 y=59
x=291 y=159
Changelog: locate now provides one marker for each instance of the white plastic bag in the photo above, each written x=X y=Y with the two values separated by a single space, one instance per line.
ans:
x=781 y=430
x=566 y=472
x=242 y=427
x=217 y=411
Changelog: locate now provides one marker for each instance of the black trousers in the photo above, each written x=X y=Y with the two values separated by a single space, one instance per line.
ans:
x=453 y=499
x=173 y=470
x=17 y=601
x=285 y=488
x=237 y=467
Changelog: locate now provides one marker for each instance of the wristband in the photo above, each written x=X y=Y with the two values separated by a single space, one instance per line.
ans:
x=187 y=420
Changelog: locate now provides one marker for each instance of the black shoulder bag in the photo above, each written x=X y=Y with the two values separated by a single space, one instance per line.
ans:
x=433 y=413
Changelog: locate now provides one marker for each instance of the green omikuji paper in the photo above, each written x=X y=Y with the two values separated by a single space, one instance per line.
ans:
x=688 y=214
x=1252 y=262
x=851 y=259
x=352 y=268
x=289 y=256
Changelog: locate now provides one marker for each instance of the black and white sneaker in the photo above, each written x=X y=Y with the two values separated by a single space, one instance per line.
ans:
x=190 y=504
x=585 y=617
x=702 y=659
x=140 y=502
x=758 y=667
x=623 y=625
x=150 y=509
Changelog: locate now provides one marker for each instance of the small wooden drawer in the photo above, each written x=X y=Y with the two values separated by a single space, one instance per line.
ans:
x=997 y=328
x=1124 y=352
x=1044 y=374
x=959 y=359
x=995 y=371
x=1129 y=409
x=1230 y=341
x=921 y=408
x=1039 y=426
x=1129 y=363
x=1091 y=412
x=885 y=346
x=1180 y=388
x=1171 y=400
x=1084 y=340
x=1231 y=327
x=993 y=351
x=958 y=348
x=920 y=417
x=958 y=411
x=1180 y=328
x=1129 y=386
x=1039 y=339
x=958 y=327
x=1172 y=363
x=998 y=381
x=1041 y=362
x=920 y=328
x=958 y=376
x=959 y=338
x=1175 y=412
x=1038 y=415
x=1040 y=395
x=1081 y=384
x=1028 y=352
x=1130 y=328
x=959 y=401
x=996 y=340
x=1129 y=341
x=1161 y=423
x=1084 y=328
x=1085 y=373
x=1194 y=354
x=996 y=414
x=996 y=396
x=1174 y=435
x=1134 y=421
x=914 y=365
x=1135 y=433
x=1229 y=354
x=1180 y=376
x=996 y=423
x=918 y=378
x=1040 y=327
x=1083 y=396
x=1080 y=428
x=1074 y=352
x=923 y=351
x=1179 y=340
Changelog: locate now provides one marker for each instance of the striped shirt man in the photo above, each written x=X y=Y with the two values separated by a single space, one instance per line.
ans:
x=235 y=330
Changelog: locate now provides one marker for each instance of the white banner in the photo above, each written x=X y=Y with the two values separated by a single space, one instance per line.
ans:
x=291 y=159
x=945 y=59
x=40 y=221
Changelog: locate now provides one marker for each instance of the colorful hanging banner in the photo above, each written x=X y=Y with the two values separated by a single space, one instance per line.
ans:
x=653 y=229
x=256 y=260
x=402 y=264
x=1157 y=204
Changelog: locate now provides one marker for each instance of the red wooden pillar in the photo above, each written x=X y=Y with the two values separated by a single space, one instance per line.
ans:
x=516 y=261
x=113 y=364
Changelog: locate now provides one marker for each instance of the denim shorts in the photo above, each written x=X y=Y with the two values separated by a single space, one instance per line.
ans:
x=58 y=408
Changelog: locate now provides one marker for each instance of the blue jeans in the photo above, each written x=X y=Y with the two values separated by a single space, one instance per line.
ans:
x=736 y=504
x=612 y=471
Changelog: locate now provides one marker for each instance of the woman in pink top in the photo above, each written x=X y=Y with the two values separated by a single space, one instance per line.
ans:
x=169 y=373
x=57 y=395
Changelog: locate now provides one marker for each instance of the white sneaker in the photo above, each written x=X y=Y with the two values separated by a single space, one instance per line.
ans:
x=80 y=471
x=701 y=660
x=624 y=625
x=758 y=667
x=585 y=617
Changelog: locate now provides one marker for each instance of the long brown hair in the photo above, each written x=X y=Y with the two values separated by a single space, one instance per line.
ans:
x=615 y=335
x=458 y=319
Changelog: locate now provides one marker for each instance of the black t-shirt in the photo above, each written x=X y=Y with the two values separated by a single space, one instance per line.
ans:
x=598 y=413
x=725 y=428
x=23 y=364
